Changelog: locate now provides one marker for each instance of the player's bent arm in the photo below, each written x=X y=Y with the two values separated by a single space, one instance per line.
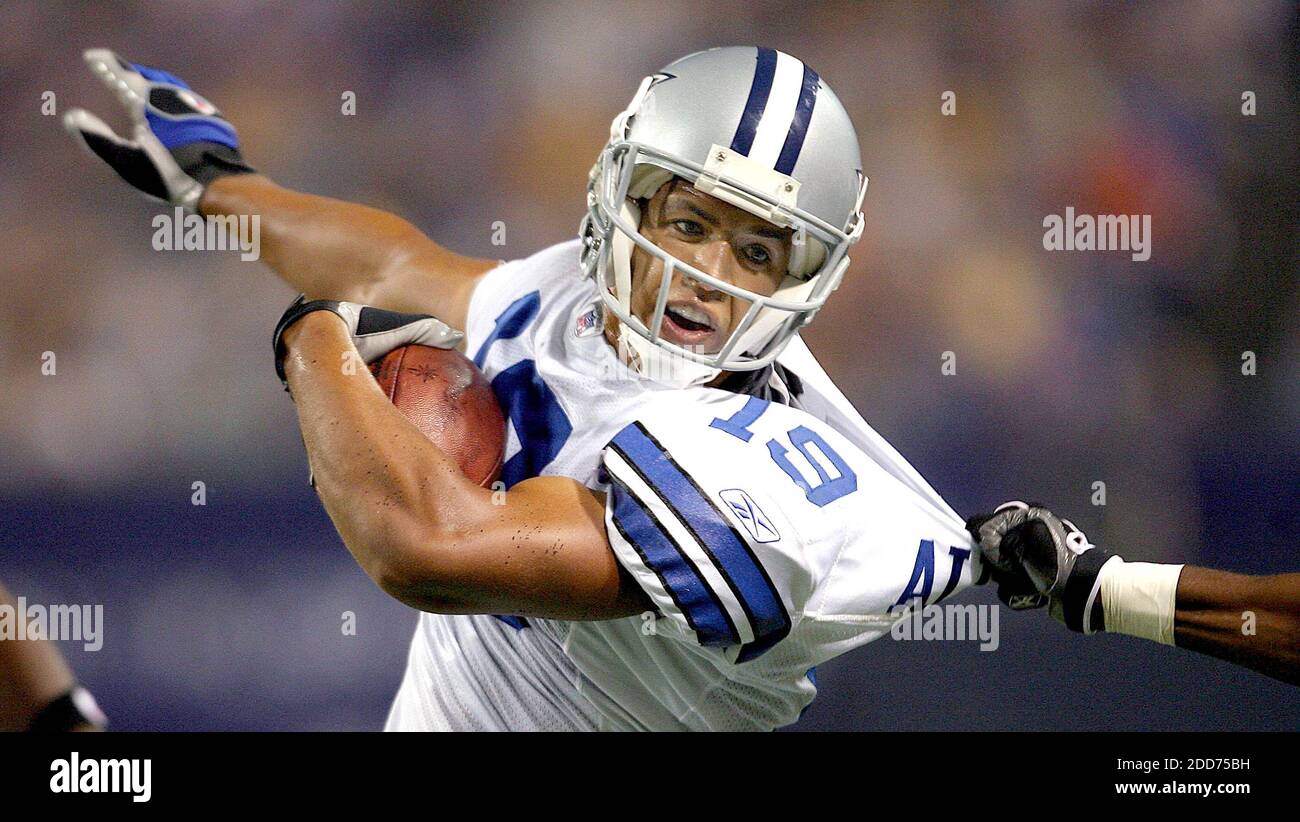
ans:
x=1248 y=620
x=331 y=249
x=424 y=533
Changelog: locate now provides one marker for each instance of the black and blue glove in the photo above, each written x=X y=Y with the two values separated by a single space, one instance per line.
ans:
x=181 y=142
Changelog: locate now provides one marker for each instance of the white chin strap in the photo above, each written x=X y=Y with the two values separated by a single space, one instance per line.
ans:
x=646 y=358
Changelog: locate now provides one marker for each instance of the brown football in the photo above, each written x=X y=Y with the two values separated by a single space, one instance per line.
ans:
x=452 y=404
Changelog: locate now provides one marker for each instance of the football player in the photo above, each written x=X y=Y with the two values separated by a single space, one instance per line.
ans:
x=696 y=517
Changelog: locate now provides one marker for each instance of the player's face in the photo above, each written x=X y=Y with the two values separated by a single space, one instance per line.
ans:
x=718 y=239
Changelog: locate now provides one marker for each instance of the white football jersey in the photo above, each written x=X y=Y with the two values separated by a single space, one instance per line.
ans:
x=772 y=530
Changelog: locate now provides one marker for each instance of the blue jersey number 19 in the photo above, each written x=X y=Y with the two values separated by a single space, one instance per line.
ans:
x=828 y=488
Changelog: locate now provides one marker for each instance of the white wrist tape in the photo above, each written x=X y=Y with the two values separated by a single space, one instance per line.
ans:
x=1137 y=598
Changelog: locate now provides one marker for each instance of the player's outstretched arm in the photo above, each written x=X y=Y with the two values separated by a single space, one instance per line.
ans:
x=422 y=531
x=183 y=152
x=1250 y=620
x=1040 y=559
x=335 y=250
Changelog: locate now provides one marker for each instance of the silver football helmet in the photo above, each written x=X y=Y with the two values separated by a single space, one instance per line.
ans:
x=753 y=127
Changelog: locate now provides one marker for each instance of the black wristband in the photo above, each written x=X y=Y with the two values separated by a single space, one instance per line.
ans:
x=206 y=161
x=1079 y=588
x=68 y=711
x=298 y=309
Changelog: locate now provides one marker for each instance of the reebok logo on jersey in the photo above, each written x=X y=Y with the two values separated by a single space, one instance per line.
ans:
x=744 y=508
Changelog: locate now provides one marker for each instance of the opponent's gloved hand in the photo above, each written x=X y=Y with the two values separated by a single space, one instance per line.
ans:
x=375 y=331
x=1043 y=559
x=1015 y=589
x=181 y=142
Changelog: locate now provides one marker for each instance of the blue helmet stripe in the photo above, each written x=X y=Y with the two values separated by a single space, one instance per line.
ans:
x=799 y=125
x=759 y=90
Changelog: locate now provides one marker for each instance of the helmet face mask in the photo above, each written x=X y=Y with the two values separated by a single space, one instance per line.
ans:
x=637 y=161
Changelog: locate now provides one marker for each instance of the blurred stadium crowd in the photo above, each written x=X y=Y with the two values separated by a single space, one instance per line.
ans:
x=1071 y=368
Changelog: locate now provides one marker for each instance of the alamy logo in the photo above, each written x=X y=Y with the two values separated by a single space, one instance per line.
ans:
x=1105 y=232
x=57 y=623
x=208 y=232
x=949 y=622
x=77 y=775
x=744 y=508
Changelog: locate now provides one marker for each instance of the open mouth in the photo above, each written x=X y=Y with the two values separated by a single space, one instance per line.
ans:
x=687 y=325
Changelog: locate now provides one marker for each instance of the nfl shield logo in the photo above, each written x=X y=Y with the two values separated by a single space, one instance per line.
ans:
x=589 y=322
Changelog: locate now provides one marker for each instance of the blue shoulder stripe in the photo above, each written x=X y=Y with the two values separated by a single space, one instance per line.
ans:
x=728 y=550
x=679 y=576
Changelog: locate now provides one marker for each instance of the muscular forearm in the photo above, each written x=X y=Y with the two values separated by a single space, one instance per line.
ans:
x=428 y=536
x=1252 y=621
x=331 y=249
x=386 y=487
x=184 y=152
